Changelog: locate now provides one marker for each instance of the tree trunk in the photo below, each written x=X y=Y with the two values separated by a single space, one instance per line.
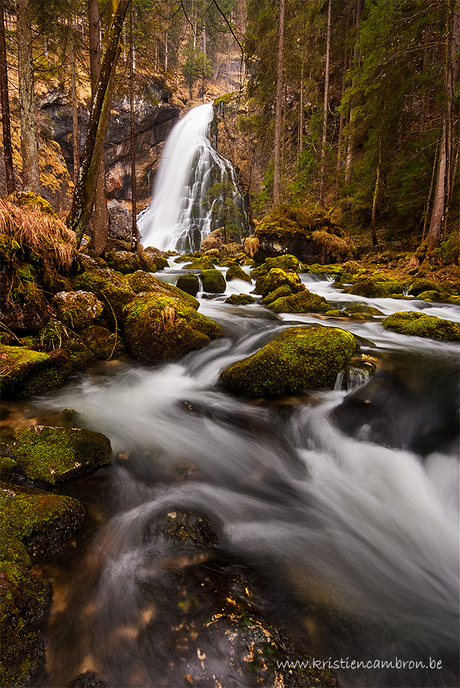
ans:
x=301 y=113
x=434 y=232
x=100 y=216
x=135 y=237
x=350 y=150
x=326 y=101
x=85 y=189
x=344 y=80
x=29 y=141
x=6 y=122
x=278 y=107
x=73 y=90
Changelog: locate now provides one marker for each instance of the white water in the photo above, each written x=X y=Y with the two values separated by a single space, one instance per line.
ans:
x=354 y=531
x=180 y=214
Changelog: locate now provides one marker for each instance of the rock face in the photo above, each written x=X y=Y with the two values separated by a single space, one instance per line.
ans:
x=299 y=358
x=422 y=325
x=152 y=126
x=120 y=221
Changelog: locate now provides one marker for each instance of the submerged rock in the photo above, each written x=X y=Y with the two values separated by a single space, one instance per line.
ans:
x=422 y=325
x=299 y=358
x=159 y=328
x=55 y=454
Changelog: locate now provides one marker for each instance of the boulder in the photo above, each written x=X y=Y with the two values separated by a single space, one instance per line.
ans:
x=102 y=343
x=108 y=286
x=217 y=238
x=127 y=261
x=278 y=278
x=28 y=310
x=298 y=359
x=232 y=250
x=54 y=454
x=302 y=302
x=18 y=365
x=77 y=309
x=141 y=281
x=240 y=299
x=213 y=281
x=188 y=283
x=376 y=287
x=236 y=272
x=159 y=328
x=422 y=325
x=120 y=221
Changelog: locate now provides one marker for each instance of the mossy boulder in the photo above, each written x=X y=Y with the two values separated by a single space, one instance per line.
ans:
x=213 y=281
x=102 y=343
x=109 y=286
x=432 y=295
x=422 y=325
x=236 y=272
x=277 y=277
x=159 y=328
x=240 y=299
x=299 y=358
x=142 y=281
x=17 y=366
x=188 y=283
x=127 y=261
x=53 y=455
x=157 y=256
x=362 y=308
x=376 y=287
x=77 y=309
x=203 y=263
x=279 y=293
x=285 y=262
x=24 y=599
x=27 y=307
x=422 y=284
x=302 y=302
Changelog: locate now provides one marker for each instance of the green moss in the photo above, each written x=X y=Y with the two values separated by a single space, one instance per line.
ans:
x=278 y=278
x=302 y=302
x=56 y=454
x=279 y=293
x=376 y=287
x=362 y=308
x=158 y=328
x=422 y=325
x=422 y=284
x=236 y=272
x=299 y=358
x=431 y=295
x=240 y=299
x=204 y=263
x=108 y=286
x=285 y=262
x=101 y=342
x=213 y=281
x=22 y=198
x=143 y=281
x=189 y=284
x=17 y=366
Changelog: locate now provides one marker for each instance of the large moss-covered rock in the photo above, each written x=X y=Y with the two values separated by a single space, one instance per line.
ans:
x=108 y=286
x=102 y=343
x=422 y=284
x=27 y=308
x=285 y=262
x=159 y=328
x=53 y=455
x=240 y=299
x=302 y=302
x=77 y=309
x=142 y=281
x=128 y=261
x=277 y=277
x=213 y=281
x=297 y=359
x=236 y=272
x=18 y=365
x=202 y=263
x=280 y=292
x=24 y=599
x=422 y=325
x=376 y=287
x=188 y=283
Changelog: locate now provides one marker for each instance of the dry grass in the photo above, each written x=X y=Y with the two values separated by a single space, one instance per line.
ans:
x=333 y=245
x=28 y=228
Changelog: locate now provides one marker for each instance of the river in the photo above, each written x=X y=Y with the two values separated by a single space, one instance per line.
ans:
x=342 y=505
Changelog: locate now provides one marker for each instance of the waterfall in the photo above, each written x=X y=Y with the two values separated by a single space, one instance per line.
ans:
x=195 y=189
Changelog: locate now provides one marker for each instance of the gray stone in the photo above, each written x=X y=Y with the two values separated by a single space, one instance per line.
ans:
x=120 y=222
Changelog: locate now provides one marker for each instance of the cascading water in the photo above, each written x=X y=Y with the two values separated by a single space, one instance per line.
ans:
x=195 y=190
x=344 y=505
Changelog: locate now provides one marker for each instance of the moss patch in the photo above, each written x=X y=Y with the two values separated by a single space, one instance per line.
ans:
x=53 y=455
x=299 y=358
x=108 y=285
x=421 y=325
x=277 y=277
x=77 y=309
x=236 y=272
x=17 y=366
x=142 y=281
x=213 y=281
x=189 y=284
x=302 y=302
x=240 y=299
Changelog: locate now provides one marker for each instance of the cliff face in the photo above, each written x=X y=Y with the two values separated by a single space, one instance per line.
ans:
x=152 y=126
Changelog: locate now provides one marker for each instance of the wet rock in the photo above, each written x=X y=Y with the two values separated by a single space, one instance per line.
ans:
x=120 y=221
x=108 y=286
x=54 y=454
x=362 y=308
x=24 y=600
x=159 y=257
x=376 y=287
x=188 y=283
x=422 y=284
x=189 y=529
x=213 y=281
x=280 y=292
x=432 y=295
x=277 y=277
x=142 y=281
x=77 y=309
x=299 y=358
x=102 y=343
x=302 y=302
x=236 y=272
x=88 y=680
x=159 y=328
x=240 y=299
x=202 y=263
x=18 y=365
x=35 y=520
x=421 y=325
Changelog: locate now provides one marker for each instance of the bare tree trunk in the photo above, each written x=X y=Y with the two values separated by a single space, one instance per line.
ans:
x=350 y=150
x=73 y=90
x=301 y=113
x=434 y=232
x=85 y=188
x=100 y=218
x=6 y=122
x=135 y=237
x=344 y=79
x=29 y=141
x=279 y=107
x=326 y=101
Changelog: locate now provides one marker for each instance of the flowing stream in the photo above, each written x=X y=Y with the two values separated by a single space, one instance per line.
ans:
x=342 y=504
x=195 y=189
